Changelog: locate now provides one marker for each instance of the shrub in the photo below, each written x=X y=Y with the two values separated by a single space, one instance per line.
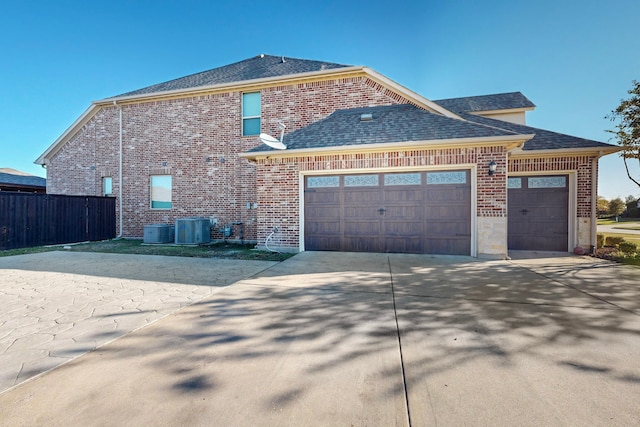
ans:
x=599 y=240
x=613 y=241
x=628 y=247
x=606 y=253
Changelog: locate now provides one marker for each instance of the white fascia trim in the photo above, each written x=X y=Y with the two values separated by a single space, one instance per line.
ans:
x=587 y=151
x=388 y=146
x=503 y=111
x=62 y=139
x=419 y=99
x=337 y=72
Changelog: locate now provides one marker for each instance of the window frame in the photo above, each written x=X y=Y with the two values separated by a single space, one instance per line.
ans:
x=151 y=193
x=106 y=179
x=246 y=118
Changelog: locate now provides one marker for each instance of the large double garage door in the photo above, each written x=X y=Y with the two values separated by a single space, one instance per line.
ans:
x=412 y=212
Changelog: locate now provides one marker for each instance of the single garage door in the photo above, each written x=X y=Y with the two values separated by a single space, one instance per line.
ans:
x=538 y=213
x=415 y=212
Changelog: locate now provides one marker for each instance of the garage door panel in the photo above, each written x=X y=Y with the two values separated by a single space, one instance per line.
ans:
x=406 y=229
x=446 y=212
x=361 y=213
x=318 y=196
x=361 y=244
x=542 y=228
x=325 y=212
x=403 y=196
x=324 y=243
x=447 y=229
x=447 y=195
x=324 y=228
x=403 y=212
x=404 y=245
x=361 y=228
x=360 y=197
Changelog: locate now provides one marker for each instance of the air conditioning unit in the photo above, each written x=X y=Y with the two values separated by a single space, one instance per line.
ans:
x=193 y=231
x=158 y=233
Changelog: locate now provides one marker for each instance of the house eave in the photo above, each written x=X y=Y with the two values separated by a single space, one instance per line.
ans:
x=586 y=151
x=511 y=142
x=502 y=111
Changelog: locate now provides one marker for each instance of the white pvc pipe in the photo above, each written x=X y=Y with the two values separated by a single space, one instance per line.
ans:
x=119 y=170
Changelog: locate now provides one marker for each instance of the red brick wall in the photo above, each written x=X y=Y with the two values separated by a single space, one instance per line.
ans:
x=492 y=189
x=197 y=140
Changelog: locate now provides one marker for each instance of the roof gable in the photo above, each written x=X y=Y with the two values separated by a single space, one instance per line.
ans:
x=495 y=102
x=258 y=67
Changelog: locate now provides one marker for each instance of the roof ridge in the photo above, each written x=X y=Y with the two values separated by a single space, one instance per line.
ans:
x=255 y=67
x=481 y=96
x=490 y=126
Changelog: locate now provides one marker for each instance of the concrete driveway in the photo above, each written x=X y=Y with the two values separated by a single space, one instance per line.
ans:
x=369 y=339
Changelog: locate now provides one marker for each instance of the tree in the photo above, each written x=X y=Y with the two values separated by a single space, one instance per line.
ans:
x=627 y=131
x=616 y=206
x=603 y=205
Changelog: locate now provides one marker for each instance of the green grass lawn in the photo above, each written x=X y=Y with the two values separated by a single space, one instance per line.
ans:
x=134 y=246
x=631 y=238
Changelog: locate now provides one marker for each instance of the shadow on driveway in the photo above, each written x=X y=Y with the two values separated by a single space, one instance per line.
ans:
x=314 y=341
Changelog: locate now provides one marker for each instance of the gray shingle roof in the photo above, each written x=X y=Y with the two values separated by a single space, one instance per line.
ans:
x=403 y=123
x=499 y=101
x=543 y=139
x=22 y=180
x=394 y=123
x=261 y=66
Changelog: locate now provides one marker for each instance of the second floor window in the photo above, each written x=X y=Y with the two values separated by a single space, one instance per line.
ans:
x=250 y=113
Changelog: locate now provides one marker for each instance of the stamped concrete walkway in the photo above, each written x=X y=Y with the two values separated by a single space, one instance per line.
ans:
x=56 y=306
x=368 y=339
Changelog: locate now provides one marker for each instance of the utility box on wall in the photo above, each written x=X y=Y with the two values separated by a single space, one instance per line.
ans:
x=158 y=233
x=193 y=231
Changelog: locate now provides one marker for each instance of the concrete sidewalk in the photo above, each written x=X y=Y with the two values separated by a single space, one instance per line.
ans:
x=314 y=340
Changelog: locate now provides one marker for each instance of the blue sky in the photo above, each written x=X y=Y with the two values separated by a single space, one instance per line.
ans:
x=574 y=59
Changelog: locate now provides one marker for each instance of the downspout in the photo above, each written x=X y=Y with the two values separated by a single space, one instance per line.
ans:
x=121 y=222
x=594 y=200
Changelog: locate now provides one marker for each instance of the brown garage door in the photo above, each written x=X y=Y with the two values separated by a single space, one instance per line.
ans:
x=538 y=213
x=415 y=212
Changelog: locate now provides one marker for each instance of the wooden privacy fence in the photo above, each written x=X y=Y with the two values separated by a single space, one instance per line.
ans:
x=43 y=219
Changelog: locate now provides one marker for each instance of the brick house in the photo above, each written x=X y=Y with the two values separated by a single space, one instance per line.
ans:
x=369 y=165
